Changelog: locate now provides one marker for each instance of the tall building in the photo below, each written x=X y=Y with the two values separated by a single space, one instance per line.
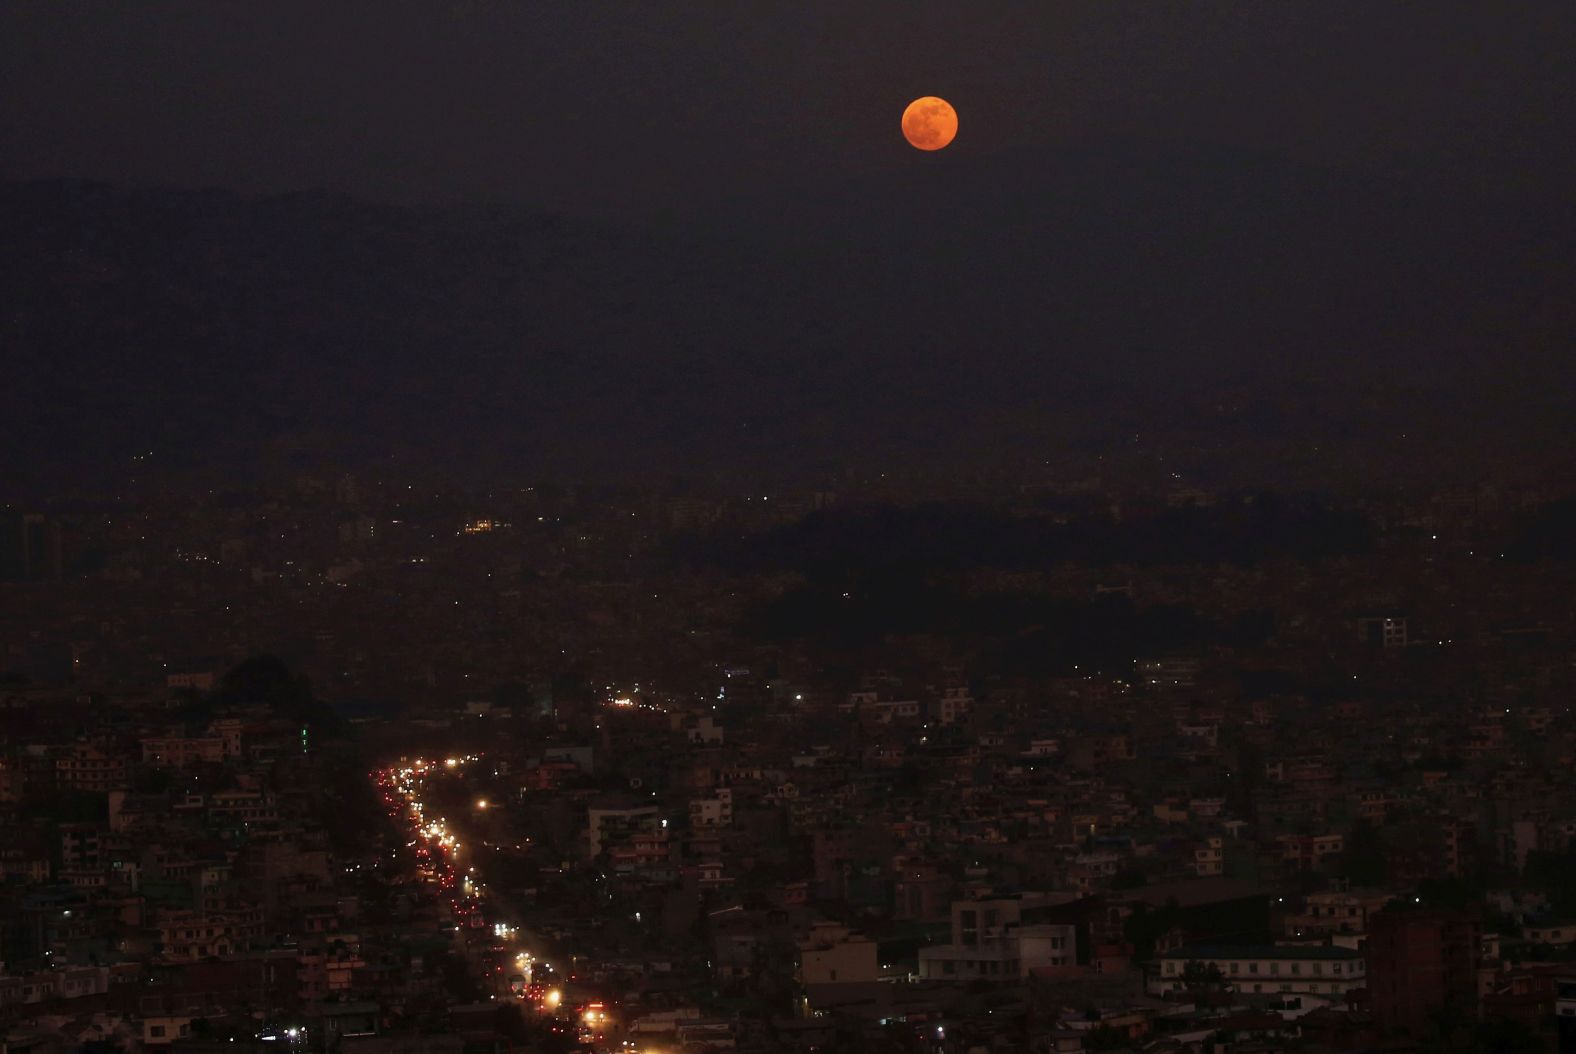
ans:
x=1421 y=962
x=991 y=942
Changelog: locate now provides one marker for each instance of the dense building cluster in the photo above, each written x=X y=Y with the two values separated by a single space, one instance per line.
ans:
x=666 y=772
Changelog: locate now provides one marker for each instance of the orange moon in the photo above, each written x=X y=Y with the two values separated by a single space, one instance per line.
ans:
x=930 y=123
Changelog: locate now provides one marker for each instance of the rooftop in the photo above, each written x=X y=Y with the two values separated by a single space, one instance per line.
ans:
x=1261 y=951
x=1192 y=892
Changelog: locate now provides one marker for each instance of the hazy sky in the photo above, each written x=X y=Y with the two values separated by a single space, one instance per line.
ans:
x=616 y=107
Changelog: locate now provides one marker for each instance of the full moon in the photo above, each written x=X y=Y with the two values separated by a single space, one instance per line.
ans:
x=930 y=123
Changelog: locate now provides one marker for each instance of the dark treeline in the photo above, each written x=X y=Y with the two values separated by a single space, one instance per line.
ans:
x=875 y=572
x=1243 y=530
x=1024 y=634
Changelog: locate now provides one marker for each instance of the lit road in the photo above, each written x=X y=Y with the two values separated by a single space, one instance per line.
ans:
x=442 y=859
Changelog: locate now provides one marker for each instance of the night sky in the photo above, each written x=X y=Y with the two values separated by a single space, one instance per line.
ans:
x=1276 y=239
x=611 y=108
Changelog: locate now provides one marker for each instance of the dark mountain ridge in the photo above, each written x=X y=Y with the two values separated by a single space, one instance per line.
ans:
x=988 y=312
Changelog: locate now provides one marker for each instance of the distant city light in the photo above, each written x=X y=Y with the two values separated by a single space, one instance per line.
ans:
x=484 y=526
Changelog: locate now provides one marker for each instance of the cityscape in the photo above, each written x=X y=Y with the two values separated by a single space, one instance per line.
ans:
x=843 y=526
x=659 y=791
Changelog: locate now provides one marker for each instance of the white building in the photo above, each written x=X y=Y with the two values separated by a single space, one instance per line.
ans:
x=705 y=730
x=1556 y=934
x=1311 y=969
x=1168 y=672
x=1090 y=871
x=990 y=941
x=953 y=704
x=716 y=811
x=1565 y=1005
x=889 y=710
x=1337 y=911
x=832 y=954
x=1209 y=858
x=601 y=822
